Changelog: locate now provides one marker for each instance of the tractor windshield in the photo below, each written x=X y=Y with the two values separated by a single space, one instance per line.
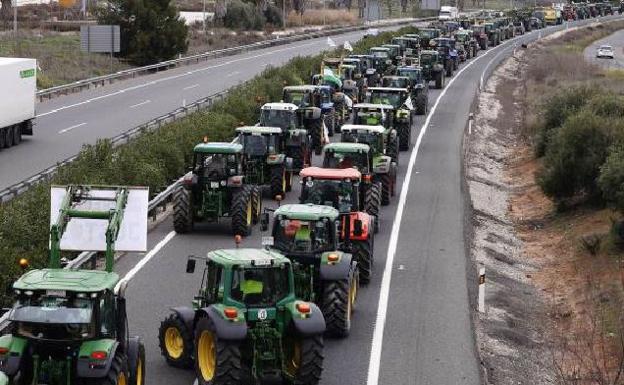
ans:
x=373 y=139
x=380 y=54
x=298 y=98
x=356 y=160
x=283 y=119
x=258 y=145
x=427 y=58
x=394 y=99
x=428 y=33
x=336 y=193
x=259 y=287
x=415 y=75
x=372 y=118
x=216 y=166
x=294 y=236
x=395 y=82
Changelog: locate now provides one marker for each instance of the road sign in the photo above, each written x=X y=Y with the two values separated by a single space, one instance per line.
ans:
x=100 y=38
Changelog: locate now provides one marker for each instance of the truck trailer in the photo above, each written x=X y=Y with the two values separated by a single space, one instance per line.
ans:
x=18 y=78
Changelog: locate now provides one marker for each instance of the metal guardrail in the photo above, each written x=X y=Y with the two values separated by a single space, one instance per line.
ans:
x=100 y=81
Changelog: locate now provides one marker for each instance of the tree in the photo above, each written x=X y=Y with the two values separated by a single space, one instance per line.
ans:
x=6 y=13
x=151 y=30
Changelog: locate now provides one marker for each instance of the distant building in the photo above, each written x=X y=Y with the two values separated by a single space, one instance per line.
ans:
x=430 y=4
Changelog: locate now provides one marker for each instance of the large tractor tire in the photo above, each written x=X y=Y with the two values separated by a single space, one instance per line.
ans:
x=330 y=122
x=393 y=148
x=136 y=361
x=8 y=137
x=317 y=135
x=279 y=183
x=117 y=373
x=17 y=134
x=372 y=202
x=218 y=362
x=405 y=138
x=289 y=176
x=242 y=211
x=182 y=211
x=299 y=156
x=2 y=136
x=363 y=254
x=449 y=68
x=256 y=202
x=439 y=80
x=421 y=104
x=386 y=189
x=304 y=359
x=337 y=308
x=176 y=342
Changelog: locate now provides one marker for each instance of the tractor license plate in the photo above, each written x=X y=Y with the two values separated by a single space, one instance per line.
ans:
x=267 y=241
x=214 y=184
x=56 y=293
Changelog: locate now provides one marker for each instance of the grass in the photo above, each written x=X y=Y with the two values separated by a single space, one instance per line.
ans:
x=323 y=16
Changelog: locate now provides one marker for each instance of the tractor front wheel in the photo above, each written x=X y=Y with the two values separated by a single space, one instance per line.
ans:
x=117 y=374
x=176 y=342
x=338 y=303
x=405 y=137
x=242 y=211
x=317 y=136
x=182 y=211
x=303 y=359
x=330 y=122
x=372 y=202
x=363 y=253
x=279 y=182
x=421 y=104
x=439 y=80
x=218 y=362
x=393 y=148
x=136 y=361
x=256 y=203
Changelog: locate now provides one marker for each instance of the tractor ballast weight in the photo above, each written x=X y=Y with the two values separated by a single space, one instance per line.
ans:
x=70 y=326
x=246 y=321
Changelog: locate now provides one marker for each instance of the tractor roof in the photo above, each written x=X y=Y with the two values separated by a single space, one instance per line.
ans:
x=362 y=127
x=219 y=148
x=429 y=52
x=259 y=130
x=380 y=49
x=351 y=60
x=332 y=60
x=330 y=173
x=247 y=257
x=374 y=106
x=307 y=212
x=307 y=87
x=279 y=106
x=391 y=45
x=342 y=147
x=387 y=89
x=409 y=68
x=69 y=280
x=412 y=36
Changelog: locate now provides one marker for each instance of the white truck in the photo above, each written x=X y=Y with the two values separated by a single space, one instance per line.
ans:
x=448 y=13
x=18 y=88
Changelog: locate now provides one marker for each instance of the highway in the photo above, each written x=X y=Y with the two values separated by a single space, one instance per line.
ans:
x=413 y=321
x=615 y=40
x=65 y=123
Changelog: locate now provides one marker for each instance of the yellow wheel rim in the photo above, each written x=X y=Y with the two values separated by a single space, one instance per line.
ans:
x=352 y=296
x=174 y=342
x=258 y=210
x=121 y=379
x=249 y=213
x=206 y=355
x=294 y=361
x=284 y=182
x=139 y=372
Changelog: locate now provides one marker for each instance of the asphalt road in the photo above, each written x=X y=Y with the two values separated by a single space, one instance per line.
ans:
x=413 y=321
x=65 y=123
x=615 y=40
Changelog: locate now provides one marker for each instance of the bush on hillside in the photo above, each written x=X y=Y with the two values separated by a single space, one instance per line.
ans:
x=244 y=16
x=611 y=178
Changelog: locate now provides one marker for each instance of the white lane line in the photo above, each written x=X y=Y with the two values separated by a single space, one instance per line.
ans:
x=380 y=323
x=141 y=104
x=148 y=257
x=190 y=87
x=71 y=128
x=233 y=73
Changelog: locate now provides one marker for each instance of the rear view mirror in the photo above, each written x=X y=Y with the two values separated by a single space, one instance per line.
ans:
x=190 y=265
x=357 y=227
x=264 y=222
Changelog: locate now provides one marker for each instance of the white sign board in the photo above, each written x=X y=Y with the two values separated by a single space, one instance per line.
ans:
x=90 y=234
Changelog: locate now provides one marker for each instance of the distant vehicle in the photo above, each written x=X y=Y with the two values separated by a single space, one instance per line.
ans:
x=371 y=32
x=605 y=51
x=17 y=110
x=448 y=13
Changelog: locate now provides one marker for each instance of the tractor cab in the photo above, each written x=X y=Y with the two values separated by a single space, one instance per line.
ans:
x=260 y=142
x=336 y=188
x=413 y=73
x=396 y=82
x=382 y=59
x=374 y=136
x=314 y=104
x=359 y=65
x=395 y=52
x=216 y=165
x=399 y=98
x=427 y=35
x=373 y=115
x=295 y=140
x=369 y=70
x=409 y=45
x=348 y=155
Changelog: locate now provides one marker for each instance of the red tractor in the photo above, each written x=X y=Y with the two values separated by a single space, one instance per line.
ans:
x=341 y=189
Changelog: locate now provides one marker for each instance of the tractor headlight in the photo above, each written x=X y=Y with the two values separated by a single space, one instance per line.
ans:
x=223 y=183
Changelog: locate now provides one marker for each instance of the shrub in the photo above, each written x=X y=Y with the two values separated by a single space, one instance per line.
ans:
x=611 y=179
x=245 y=16
x=273 y=15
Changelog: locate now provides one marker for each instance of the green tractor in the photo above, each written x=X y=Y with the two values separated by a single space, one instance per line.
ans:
x=419 y=87
x=381 y=118
x=265 y=163
x=427 y=36
x=374 y=166
x=315 y=106
x=245 y=322
x=401 y=100
x=216 y=188
x=308 y=235
x=433 y=68
x=358 y=203
x=70 y=326
x=466 y=42
x=295 y=138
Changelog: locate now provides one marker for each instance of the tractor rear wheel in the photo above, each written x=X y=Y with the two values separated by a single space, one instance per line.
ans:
x=8 y=137
x=176 y=342
x=337 y=305
x=136 y=361
x=449 y=68
x=393 y=148
x=256 y=202
x=317 y=136
x=439 y=80
x=182 y=211
x=289 y=176
x=242 y=211
x=279 y=184
x=218 y=362
x=405 y=138
x=421 y=104
x=363 y=253
x=17 y=134
x=330 y=122
x=372 y=202
x=303 y=359
x=386 y=189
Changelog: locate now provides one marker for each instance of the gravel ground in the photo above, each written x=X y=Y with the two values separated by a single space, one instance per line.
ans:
x=509 y=333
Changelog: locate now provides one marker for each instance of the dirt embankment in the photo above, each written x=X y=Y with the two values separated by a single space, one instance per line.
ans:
x=553 y=305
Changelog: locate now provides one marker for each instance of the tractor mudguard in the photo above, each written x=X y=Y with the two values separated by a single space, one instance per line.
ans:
x=187 y=315
x=313 y=113
x=87 y=367
x=226 y=329
x=381 y=165
x=309 y=325
x=276 y=159
x=10 y=362
x=366 y=225
x=335 y=271
x=339 y=97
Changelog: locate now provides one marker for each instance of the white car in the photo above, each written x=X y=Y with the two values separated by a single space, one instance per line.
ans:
x=605 y=51
x=371 y=32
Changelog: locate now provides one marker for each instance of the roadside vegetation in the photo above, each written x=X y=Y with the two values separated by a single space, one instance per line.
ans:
x=153 y=159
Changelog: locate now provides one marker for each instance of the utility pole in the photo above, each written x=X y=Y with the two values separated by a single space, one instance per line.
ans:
x=15 y=19
x=204 y=18
x=284 y=14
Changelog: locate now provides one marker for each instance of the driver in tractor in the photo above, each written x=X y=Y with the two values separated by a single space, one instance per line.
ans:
x=250 y=288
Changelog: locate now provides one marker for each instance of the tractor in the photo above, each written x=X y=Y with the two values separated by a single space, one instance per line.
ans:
x=480 y=36
x=265 y=163
x=383 y=61
x=381 y=116
x=426 y=37
x=246 y=324
x=296 y=141
x=400 y=99
x=70 y=326
x=433 y=68
x=448 y=54
x=395 y=52
x=467 y=43
x=315 y=105
x=409 y=45
x=308 y=235
x=493 y=34
x=216 y=188
x=369 y=73
x=419 y=88
x=376 y=167
x=354 y=199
